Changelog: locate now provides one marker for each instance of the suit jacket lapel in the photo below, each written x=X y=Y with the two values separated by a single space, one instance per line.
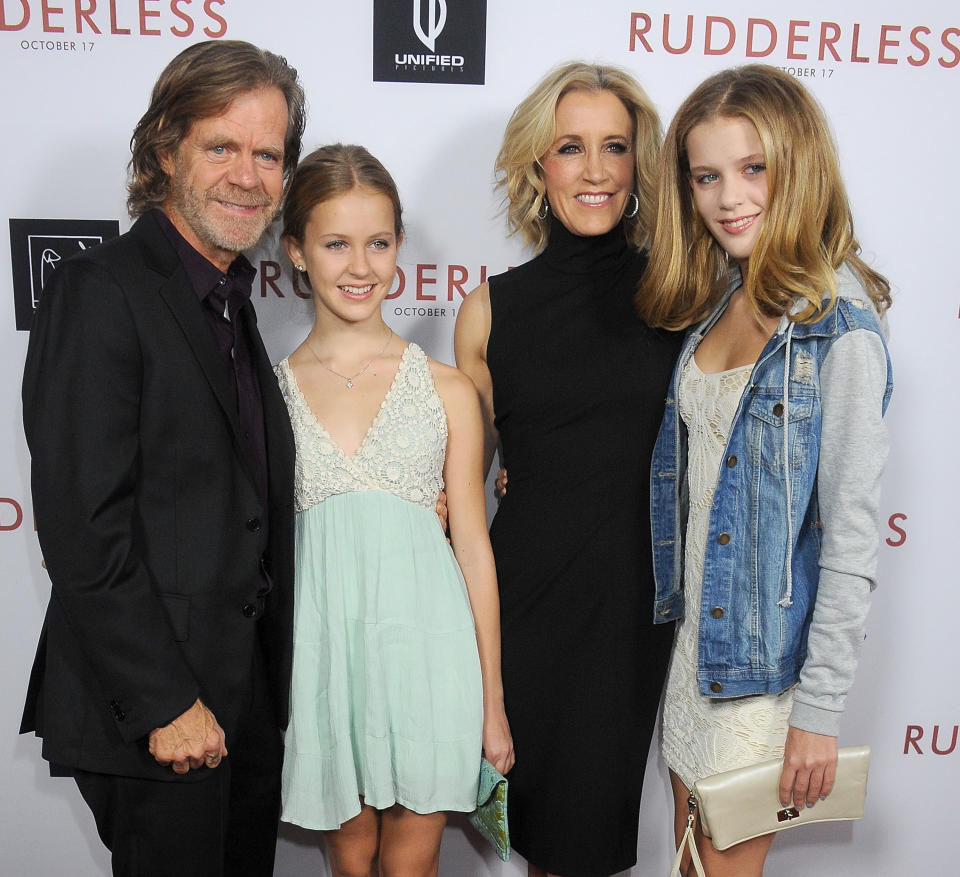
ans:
x=187 y=310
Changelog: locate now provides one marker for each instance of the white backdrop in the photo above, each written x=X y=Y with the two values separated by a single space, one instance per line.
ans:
x=70 y=100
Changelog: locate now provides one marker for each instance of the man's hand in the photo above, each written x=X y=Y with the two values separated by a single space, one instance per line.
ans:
x=190 y=741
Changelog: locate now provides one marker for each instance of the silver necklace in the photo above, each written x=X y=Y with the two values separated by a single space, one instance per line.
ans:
x=349 y=378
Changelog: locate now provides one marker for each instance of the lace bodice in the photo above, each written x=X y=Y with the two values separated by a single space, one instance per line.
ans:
x=402 y=452
x=704 y=736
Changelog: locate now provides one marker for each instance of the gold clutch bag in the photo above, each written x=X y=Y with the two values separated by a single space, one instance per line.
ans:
x=741 y=804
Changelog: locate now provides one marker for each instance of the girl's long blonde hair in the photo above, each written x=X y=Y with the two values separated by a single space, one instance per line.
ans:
x=807 y=228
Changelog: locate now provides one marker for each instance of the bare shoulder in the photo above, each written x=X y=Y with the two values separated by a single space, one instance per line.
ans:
x=474 y=313
x=453 y=386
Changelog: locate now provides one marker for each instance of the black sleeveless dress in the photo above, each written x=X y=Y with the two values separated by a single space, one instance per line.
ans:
x=578 y=388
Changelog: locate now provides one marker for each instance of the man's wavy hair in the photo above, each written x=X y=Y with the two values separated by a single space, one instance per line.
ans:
x=532 y=128
x=807 y=228
x=201 y=82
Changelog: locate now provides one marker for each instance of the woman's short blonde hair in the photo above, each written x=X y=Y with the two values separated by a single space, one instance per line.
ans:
x=807 y=229
x=532 y=128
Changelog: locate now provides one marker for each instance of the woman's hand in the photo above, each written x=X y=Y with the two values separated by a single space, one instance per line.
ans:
x=809 y=768
x=497 y=742
x=441 y=510
x=501 y=487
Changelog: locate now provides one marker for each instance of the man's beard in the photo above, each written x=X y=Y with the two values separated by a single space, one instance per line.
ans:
x=214 y=227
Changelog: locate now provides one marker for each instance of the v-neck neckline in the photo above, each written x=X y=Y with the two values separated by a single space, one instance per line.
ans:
x=355 y=456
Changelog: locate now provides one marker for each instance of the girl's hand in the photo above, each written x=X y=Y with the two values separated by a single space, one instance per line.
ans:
x=501 y=487
x=809 y=768
x=497 y=742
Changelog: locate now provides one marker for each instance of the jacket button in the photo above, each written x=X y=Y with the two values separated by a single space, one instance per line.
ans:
x=732 y=461
x=723 y=538
x=249 y=610
x=716 y=687
x=777 y=410
x=253 y=525
x=118 y=713
x=717 y=612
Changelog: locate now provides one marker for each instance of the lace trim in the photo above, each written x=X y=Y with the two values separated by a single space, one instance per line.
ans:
x=402 y=452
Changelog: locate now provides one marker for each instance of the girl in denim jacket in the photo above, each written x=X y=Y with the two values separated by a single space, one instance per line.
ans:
x=765 y=476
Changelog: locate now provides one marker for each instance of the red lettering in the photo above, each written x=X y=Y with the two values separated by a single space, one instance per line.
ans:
x=269 y=274
x=857 y=59
x=186 y=19
x=213 y=34
x=456 y=277
x=708 y=35
x=297 y=289
x=83 y=15
x=829 y=42
x=885 y=42
x=914 y=38
x=943 y=62
x=666 y=35
x=636 y=33
x=401 y=284
x=46 y=10
x=144 y=15
x=18 y=514
x=423 y=280
x=793 y=38
x=896 y=542
x=913 y=738
x=20 y=25
x=752 y=24
x=953 y=742
x=113 y=20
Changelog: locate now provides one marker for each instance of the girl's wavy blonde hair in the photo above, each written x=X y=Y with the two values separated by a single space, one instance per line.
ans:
x=807 y=228
x=532 y=128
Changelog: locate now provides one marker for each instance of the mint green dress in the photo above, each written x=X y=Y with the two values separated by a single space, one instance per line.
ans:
x=386 y=695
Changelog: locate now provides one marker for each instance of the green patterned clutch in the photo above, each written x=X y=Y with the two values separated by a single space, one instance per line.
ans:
x=490 y=817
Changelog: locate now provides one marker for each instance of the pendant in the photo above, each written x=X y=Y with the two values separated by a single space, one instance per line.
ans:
x=349 y=383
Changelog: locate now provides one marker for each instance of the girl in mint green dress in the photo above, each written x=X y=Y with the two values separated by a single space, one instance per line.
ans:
x=396 y=677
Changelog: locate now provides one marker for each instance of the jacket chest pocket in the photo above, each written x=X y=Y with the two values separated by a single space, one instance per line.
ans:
x=766 y=412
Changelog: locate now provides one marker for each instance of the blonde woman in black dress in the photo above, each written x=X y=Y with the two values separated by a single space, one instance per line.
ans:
x=572 y=387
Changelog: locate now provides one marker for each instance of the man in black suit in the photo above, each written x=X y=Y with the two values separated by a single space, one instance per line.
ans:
x=162 y=474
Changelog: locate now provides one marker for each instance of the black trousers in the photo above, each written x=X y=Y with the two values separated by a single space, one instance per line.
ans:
x=222 y=826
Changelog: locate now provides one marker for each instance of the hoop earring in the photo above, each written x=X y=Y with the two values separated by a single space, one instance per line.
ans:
x=629 y=214
x=544 y=208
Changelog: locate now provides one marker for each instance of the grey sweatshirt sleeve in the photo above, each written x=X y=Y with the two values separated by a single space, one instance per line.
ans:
x=853 y=451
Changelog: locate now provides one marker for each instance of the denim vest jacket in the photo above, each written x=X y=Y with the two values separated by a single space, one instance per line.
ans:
x=761 y=570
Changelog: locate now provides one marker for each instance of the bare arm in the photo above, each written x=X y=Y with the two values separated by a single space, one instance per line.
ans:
x=470 y=348
x=464 y=480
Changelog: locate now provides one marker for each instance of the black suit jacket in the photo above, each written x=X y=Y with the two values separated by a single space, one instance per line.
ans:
x=148 y=512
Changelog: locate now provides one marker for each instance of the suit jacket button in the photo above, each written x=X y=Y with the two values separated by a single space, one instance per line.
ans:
x=249 y=609
x=118 y=713
x=253 y=525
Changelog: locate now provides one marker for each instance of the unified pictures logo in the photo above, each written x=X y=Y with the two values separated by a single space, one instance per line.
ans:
x=39 y=246
x=430 y=41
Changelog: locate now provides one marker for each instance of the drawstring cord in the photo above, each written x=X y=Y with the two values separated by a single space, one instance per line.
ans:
x=788 y=599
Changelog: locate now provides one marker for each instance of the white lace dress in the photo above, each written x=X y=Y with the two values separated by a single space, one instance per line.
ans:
x=703 y=736
x=386 y=695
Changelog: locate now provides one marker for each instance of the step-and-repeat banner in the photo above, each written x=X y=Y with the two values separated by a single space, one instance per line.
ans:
x=431 y=100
